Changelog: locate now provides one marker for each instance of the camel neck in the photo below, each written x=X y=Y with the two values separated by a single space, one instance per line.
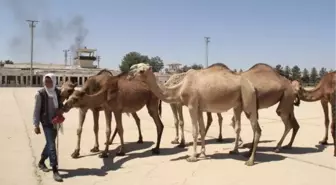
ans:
x=311 y=95
x=166 y=94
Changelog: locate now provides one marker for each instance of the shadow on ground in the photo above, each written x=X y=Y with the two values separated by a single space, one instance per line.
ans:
x=110 y=165
x=264 y=154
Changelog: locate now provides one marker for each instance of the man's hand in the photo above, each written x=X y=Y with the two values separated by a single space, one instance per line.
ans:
x=37 y=130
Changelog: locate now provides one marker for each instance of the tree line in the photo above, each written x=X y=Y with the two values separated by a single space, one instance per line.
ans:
x=306 y=76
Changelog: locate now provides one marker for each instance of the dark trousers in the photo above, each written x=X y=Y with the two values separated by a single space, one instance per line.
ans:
x=49 y=150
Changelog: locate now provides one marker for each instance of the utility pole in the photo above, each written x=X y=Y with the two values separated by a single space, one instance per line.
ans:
x=98 y=60
x=32 y=25
x=66 y=56
x=207 y=40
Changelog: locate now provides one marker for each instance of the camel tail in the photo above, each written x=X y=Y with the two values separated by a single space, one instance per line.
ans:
x=249 y=99
x=160 y=108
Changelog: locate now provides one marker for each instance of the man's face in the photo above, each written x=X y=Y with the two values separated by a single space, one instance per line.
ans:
x=48 y=82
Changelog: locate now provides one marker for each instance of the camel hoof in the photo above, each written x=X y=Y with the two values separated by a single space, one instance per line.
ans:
x=323 y=142
x=234 y=152
x=192 y=159
x=140 y=140
x=95 y=149
x=219 y=140
x=120 y=153
x=175 y=142
x=249 y=163
x=75 y=154
x=155 y=151
x=103 y=155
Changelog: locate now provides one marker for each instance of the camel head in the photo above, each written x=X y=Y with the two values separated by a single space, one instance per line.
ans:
x=75 y=100
x=144 y=72
x=67 y=89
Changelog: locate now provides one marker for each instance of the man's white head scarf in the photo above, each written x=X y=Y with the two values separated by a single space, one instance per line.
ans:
x=51 y=91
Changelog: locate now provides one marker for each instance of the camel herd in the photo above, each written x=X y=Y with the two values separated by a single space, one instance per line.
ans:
x=215 y=89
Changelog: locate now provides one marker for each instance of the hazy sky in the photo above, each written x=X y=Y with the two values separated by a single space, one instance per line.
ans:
x=243 y=32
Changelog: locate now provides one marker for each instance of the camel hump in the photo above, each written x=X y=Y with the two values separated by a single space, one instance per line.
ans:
x=249 y=99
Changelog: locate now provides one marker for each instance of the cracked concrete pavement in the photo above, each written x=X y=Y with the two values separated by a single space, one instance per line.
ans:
x=307 y=163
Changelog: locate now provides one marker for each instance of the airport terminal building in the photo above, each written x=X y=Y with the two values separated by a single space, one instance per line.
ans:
x=18 y=74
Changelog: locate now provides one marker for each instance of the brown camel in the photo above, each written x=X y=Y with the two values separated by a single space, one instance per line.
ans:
x=325 y=91
x=91 y=86
x=214 y=89
x=120 y=95
x=178 y=113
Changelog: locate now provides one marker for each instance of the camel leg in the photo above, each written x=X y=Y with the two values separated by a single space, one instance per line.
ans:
x=152 y=108
x=118 y=119
x=232 y=124
x=286 y=119
x=209 y=122
x=220 y=123
x=296 y=127
x=194 y=120
x=181 y=123
x=324 y=104
x=173 y=107
x=333 y=115
x=137 y=121
x=113 y=135
x=82 y=114
x=108 y=118
x=202 y=133
x=237 y=128
x=95 y=114
x=256 y=137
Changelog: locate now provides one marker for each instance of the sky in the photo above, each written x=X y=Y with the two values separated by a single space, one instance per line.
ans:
x=242 y=32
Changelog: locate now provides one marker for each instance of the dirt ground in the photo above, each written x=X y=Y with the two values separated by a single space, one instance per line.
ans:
x=306 y=164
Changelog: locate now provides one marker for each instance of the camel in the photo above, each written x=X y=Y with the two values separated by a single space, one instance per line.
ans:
x=119 y=95
x=178 y=114
x=214 y=89
x=92 y=85
x=325 y=91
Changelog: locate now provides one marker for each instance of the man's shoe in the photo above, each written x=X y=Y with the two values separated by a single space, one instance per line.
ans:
x=57 y=176
x=43 y=167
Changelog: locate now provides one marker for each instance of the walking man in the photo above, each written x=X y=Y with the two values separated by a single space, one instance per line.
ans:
x=47 y=105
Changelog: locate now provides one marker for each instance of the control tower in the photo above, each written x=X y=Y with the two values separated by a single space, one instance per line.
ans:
x=84 y=58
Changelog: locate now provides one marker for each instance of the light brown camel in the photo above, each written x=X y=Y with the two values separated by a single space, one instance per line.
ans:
x=214 y=89
x=178 y=113
x=272 y=88
x=325 y=91
x=91 y=86
x=120 y=95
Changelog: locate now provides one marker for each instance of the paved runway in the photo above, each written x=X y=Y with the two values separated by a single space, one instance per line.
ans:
x=306 y=164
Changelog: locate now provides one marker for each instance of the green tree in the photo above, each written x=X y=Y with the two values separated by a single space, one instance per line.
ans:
x=331 y=70
x=279 y=68
x=322 y=72
x=288 y=72
x=156 y=63
x=240 y=70
x=133 y=57
x=196 y=66
x=235 y=70
x=296 y=73
x=305 y=76
x=313 y=75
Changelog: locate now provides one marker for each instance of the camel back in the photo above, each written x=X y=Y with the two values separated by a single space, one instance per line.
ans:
x=104 y=71
x=220 y=66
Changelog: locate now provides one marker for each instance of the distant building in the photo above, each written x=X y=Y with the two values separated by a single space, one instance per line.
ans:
x=174 y=67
